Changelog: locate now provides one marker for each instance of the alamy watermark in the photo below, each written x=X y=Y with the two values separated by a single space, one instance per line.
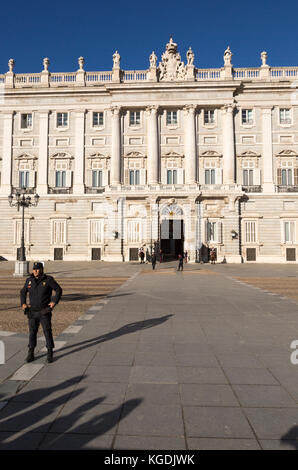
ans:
x=2 y=352
x=294 y=355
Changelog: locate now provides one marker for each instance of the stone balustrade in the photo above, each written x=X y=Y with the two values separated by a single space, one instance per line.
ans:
x=82 y=78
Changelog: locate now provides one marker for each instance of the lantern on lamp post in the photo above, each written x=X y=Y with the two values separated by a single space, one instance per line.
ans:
x=22 y=199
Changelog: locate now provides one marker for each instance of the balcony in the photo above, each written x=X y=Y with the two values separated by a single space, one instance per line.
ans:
x=60 y=190
x=90 y=190
x=286 y=189
x=15 y=190
x=252 y=189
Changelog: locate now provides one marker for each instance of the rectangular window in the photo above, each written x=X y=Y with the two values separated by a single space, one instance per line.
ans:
x=97 y=119
x=24 y=179
x=96 y=178
x=134 y=118
x=60 y=180
x=172 y=118
x=96 y=231
x=289 y=232
x=248 y=177
x=171 y=176
x=250 y=232
x=133 y=231
x=62 y=119
x=59 y=235
x=134 y=177
x=285 y=116
x=247 y=116
x=286 y=176
x=26 y=121
x=211 y=232
x=209 y=116
x=210 y=176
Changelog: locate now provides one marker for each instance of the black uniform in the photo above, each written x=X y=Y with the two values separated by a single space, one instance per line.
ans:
x=40 y=295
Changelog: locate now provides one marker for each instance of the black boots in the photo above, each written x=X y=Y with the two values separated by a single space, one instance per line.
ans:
x=30 y=356
x=50 y=356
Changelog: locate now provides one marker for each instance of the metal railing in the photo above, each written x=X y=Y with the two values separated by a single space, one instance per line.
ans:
x=252 y=188
x=286 y=189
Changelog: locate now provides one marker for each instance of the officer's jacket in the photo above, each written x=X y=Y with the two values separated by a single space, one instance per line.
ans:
x=40 y=292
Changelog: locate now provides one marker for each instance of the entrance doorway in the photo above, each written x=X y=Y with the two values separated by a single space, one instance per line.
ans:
x=172 y=238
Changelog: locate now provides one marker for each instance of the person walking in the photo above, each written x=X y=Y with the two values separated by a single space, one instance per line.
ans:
x=212 y=255
x=142 y=256
x=40 y=287
x=180 y=263
x=186 y=256
x=153 y=260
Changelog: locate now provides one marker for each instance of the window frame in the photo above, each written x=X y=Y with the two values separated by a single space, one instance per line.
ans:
x=171 y=123
x=97 y=126
x=27 y=128
x=208 y=122
x=248 y=123
x=135 y=122
x=285 y=123
x=62 y=127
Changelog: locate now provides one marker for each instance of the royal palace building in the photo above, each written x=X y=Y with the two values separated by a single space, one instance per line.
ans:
x=173 y=158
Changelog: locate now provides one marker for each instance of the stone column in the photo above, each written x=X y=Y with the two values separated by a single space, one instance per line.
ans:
x=268 y=185
x=152 y=145
x=190 y=145
x=42 y=177
x=78 y=184
x=228 y=145
x=5 y=187
x=116 y=146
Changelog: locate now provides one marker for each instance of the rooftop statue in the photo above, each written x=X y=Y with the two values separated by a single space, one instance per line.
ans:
x=153 y=59
x=116 y=60
x=228 y=56
x=190 y=57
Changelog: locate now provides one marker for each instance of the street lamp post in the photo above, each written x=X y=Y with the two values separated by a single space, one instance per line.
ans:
x=22 y=199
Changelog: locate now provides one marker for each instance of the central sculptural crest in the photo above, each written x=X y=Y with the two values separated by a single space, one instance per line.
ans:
x=171 y=68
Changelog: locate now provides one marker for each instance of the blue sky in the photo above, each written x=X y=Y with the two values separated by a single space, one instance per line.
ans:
x=64 y=30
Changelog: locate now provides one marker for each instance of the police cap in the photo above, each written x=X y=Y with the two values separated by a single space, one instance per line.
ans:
x=37 y=265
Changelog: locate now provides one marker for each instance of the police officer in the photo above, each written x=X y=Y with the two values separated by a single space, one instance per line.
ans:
x=39 y=308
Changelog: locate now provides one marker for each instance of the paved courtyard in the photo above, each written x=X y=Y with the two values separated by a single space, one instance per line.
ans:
x=199 y=359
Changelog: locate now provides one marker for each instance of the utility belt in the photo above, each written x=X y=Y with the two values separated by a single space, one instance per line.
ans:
x=31 y=313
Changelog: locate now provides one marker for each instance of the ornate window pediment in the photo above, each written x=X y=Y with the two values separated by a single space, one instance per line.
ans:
x=134 y=155
x=287 y=153
x=26 y=161
x=25 y=156
x=62 y=155
x=211 y=153
x=172 y=155
x=249 y=153
x=97 y=155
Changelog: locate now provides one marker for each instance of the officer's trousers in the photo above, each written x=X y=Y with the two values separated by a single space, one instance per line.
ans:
x=33 y=321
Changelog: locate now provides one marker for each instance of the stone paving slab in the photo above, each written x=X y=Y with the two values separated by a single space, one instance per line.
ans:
x=165 y=365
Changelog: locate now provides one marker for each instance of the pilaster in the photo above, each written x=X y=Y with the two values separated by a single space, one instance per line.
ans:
x=190 y=144
x=268 y=180
x=42 y=186
x=78 y=187
x=116 y=146
x=5 y=187
x=228 y=144
x=153 y=145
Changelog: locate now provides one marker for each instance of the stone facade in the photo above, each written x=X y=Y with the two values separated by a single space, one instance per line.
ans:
x=175 y=157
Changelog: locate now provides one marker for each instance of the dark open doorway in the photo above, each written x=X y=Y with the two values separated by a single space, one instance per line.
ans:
x=172 y=238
